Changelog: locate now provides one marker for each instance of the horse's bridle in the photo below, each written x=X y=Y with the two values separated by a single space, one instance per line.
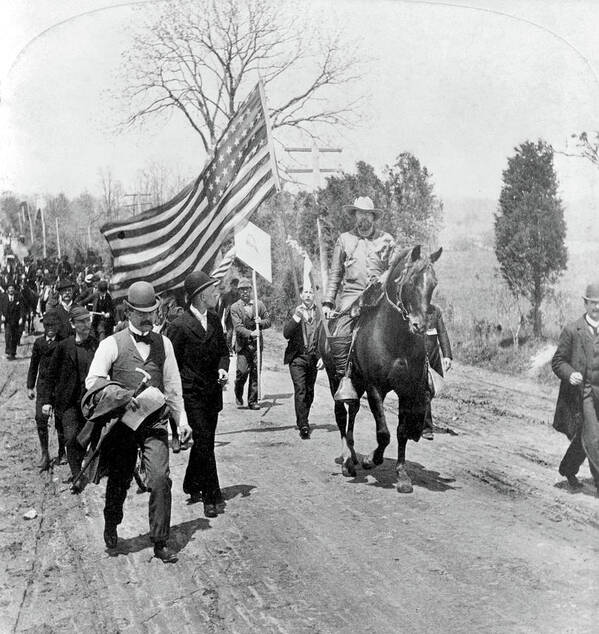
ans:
x=400 y=282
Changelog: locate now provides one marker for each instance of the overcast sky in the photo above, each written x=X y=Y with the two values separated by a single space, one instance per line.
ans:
x=457 y=84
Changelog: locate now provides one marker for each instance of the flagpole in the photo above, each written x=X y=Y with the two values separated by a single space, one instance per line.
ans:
x=271 y=149
x=258 y=346
x=57 y=238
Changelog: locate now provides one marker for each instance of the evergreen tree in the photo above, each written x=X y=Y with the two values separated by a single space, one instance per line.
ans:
x=530 y=229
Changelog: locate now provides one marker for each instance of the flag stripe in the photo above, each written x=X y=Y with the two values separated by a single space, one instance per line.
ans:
x=188 y=259
x=181 y=225
x=165 y=244
x=129 y=260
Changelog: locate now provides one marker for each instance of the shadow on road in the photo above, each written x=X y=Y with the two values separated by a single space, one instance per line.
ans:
x=233 y=491
x=386 y=477
x=180 y=536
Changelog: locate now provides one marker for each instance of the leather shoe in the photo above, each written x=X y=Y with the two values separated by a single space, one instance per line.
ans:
x=111 y=537
x=574 y=482
x=254 y=406
x=210 y=510
x=239 y=403
x=194 y=498
x=304 y=432
x=427 y=434
x=164 y=553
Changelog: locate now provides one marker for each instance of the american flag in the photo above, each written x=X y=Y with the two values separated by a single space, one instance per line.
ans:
x=163 y=245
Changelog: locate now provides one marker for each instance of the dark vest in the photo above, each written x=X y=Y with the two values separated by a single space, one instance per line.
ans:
x=123 y=369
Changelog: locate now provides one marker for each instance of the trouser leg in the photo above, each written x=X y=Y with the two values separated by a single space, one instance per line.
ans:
x=120 y=452
x=201 y=475
x=297 y=369
x=41 y=421
x=155 y=461
x=73 y=422
x=574 y=456
x=241 y=374
x=253 y=380
x=59 y=435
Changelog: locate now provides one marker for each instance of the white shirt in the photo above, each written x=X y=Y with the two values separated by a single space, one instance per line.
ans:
x=592 y=323
x=203 y=317
x=107 y=353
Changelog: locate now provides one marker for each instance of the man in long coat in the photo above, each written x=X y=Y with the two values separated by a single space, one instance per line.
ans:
x=576 y=363
x=13 y=314
x=203 y=359
x=438 y=351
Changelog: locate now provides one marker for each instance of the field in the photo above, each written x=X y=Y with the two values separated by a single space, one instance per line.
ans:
x=475 y=301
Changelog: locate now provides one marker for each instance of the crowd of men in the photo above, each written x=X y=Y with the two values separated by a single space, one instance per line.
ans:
x=119 y=380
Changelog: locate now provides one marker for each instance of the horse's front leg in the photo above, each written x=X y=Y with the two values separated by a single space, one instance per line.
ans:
x=383 y=437
x=350 y=459
x=404 y=482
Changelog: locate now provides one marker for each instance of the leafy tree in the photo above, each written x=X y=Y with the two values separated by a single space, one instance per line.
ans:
x=530 y=229
x=10 y=205
x=416 y=212
x=588 y=146
x=200 y=58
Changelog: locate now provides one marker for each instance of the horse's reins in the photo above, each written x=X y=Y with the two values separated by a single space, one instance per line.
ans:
x=400 y=282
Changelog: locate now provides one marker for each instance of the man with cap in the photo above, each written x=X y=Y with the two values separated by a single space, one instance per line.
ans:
x=102 y=308
x=243 y=315
x=66 y=384
x=127 y=357
x=361 y=256
x=37 y=386
x=203 y=358
x=13 y=315
x=302 y=356
x=576 y=363
x=66 y=290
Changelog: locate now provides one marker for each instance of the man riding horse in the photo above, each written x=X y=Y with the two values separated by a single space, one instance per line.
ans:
x=361 y=256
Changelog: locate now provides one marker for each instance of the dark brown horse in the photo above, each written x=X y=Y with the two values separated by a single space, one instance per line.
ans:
x=388 y=355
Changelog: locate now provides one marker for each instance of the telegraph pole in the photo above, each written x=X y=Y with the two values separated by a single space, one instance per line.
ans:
x=316 y=171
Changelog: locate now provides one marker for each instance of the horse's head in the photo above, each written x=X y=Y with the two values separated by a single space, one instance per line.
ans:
x=410 y=286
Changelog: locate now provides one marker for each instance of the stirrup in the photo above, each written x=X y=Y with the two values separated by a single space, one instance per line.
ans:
x=346 y=392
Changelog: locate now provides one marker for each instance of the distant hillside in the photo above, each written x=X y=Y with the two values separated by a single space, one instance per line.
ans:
x=472 y=219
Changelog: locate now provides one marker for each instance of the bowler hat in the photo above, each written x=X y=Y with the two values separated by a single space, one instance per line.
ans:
x=363 y=203
x=196 y=282
x=102 y=285
x=63 y=283
x=79 y=312
x=141 y=297
x=244 y=282
x=592 y=294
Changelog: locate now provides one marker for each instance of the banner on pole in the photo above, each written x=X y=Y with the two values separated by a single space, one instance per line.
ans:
x=252 y=247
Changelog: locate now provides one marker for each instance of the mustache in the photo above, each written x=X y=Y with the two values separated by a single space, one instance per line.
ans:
x=146 y=322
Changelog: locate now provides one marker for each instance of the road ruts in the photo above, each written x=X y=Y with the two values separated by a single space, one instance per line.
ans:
x=489 y=540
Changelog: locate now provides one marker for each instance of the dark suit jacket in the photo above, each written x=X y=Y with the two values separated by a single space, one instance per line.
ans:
x=13 y=311
x=574 y=354
x=66 y=377
x=41 y=356
x=294 y=332
x=432 y=342
x=200 y=355
x=244 y=325
x=65 y=329
x=99 y=305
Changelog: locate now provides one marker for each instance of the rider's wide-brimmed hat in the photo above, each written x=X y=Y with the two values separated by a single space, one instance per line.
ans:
x=141 y=297
x=363 y=203
x=592 y=294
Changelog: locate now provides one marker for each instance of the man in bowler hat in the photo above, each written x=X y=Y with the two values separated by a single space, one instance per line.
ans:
x=119 y=358
x=576 y=363
x=203 y=358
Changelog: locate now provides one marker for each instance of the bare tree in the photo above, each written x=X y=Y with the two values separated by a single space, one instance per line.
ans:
x=587 y=147
x=112 y=193
x=201 y=57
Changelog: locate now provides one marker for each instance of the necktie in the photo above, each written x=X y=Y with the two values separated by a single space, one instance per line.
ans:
x=144 y=338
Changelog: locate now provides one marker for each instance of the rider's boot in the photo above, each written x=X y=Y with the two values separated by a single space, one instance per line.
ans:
x=346 y=392
x=44 y=463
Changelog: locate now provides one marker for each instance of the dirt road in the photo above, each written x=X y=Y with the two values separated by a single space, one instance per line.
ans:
x=489 y=541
